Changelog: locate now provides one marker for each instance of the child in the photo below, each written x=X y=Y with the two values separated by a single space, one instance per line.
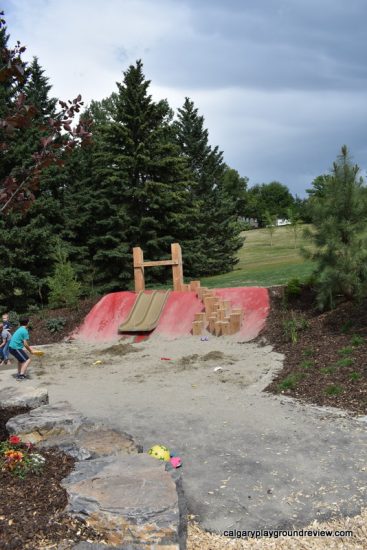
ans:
x=4 y=346
x=18 y=342
x=6 y=326
x=6 y=321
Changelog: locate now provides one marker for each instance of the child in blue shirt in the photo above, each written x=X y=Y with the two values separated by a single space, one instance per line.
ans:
x=18 y=342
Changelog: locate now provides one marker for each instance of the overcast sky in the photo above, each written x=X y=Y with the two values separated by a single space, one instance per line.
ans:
x=282 y=84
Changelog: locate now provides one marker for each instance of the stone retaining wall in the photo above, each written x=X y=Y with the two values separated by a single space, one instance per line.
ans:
x=136 y=501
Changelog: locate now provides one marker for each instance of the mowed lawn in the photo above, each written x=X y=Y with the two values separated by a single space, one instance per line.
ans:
x=261 y=264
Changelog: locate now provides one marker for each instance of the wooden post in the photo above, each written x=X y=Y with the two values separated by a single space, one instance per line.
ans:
x=197 y=328
x=177 y=270
x=218 y=328
x=235 y=322
x=200 y=317
x=225 y=328
x=212 y=321
x=194 y=285
x=138 y=258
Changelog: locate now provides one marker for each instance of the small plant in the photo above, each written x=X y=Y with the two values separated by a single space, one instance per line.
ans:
x=293 y=288
x=355 y=376
x=327 y=370
x=346 y=362
x=18 y=458
x=357 y=340
x=306 y=364
x=290 y=382
x=345 y=328
x=64 y=287
x=56 y=324
x=293 y=325
x=307 y=352
x=290 y=330
x=345 y=351
x=333 y=389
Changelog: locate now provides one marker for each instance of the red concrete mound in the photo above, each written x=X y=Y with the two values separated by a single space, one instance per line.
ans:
x=101 y=323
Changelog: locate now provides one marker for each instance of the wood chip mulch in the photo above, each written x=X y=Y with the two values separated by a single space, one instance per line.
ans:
x=32 y=509
x=326 y=363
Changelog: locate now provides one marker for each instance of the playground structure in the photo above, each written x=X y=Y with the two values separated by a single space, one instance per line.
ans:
x=219 y=317
x=187 y=309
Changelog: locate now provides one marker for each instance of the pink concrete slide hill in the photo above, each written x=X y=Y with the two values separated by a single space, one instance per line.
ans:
x=102 y=322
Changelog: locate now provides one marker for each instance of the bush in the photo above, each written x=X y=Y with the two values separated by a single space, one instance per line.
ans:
x=56 y=324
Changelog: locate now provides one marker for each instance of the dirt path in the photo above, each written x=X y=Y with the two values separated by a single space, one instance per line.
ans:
x=251 y=460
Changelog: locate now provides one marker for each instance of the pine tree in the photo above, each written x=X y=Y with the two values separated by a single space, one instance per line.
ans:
x=27 y=240
x=339 y=215
x=142 y=186
x=217 y=229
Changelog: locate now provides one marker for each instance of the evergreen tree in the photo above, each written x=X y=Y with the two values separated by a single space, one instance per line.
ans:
x=339 y=216
x=27 y=240
x=142 y=188
x=217 y=229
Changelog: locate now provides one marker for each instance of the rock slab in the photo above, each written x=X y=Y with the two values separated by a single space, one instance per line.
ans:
x=93 y=441
x=23 y=396
x=47 y=421
x=130 y=499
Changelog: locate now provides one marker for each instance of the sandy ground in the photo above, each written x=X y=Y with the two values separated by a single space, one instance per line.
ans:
x=250 y=460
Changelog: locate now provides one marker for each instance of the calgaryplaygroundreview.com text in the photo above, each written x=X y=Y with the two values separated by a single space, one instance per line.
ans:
x=276 y=533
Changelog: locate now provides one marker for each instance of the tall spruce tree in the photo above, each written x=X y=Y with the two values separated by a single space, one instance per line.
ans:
x=142 y=186
x=339 y=215
x=217 y=226
x=27 y=242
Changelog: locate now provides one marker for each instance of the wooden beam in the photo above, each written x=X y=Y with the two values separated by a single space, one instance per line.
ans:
x=160 y=262
x=138 y=259
x=177 y=269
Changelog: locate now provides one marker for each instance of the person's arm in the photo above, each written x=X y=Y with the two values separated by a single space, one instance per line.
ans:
x=27 y=346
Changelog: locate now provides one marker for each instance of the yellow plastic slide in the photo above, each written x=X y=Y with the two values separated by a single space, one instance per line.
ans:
x=145 y=312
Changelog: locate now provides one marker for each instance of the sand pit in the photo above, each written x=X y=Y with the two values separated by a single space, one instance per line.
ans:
x=251 y=460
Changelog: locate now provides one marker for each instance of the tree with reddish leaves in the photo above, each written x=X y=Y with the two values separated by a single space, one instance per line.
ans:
x=59 y=135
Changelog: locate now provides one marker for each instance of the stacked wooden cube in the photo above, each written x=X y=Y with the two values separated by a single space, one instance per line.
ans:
x=218 y=317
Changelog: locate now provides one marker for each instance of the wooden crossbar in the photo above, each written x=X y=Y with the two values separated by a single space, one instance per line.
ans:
x=160 y=262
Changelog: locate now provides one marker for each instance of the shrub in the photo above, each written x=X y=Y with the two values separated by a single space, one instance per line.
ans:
x=354 y=376
x=56 y=324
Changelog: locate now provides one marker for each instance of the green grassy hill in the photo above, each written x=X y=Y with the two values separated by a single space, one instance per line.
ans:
x=261 y=264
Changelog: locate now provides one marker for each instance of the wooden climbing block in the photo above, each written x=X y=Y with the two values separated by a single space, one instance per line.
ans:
x=221 y=313
x=234 y=322
x=225 y=328
x=197 y=328
x=194 y=286
x=201 y=291
x=238 y=310
x=209 y=305
x=212 y=320
x=200 y=316
x=227 y=305
x=218 y=328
